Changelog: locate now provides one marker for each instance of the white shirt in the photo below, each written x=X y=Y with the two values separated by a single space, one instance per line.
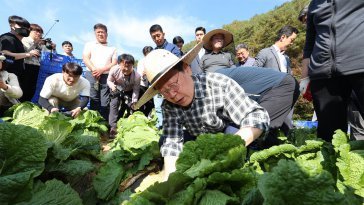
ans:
x=140 y=69
x=65 y=54
x=9 y=97
x=282 y=59
x=54 y=85
x=201 y=53
x=101 y=54
x=28 y=44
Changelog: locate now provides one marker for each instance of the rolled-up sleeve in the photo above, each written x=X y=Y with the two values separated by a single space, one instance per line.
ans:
x=136 y=87
x=172 y=133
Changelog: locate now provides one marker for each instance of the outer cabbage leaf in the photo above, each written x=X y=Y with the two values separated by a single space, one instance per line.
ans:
x=299 y=136
x=56 y=128
x=217 y=197
x=136 y=142
x=108 y=179
x=72 y=167
x=136 y=119
x=83 y=142
x=29 y=114
x=22 y=154
x=350 y=163
x=90 y=120
x=161 y=193
x=273 y=152
x=288 y=183
x=225 y=152
x=54 y=192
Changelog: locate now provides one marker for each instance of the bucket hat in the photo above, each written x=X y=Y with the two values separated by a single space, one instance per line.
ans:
x=228 y=38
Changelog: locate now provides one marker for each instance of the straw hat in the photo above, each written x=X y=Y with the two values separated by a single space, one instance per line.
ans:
x=157 y=63
x=228 y=38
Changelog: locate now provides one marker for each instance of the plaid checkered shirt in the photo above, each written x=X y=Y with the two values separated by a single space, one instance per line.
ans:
x=218 y=102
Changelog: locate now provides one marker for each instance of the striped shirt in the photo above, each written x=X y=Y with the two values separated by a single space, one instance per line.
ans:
x=219 y=101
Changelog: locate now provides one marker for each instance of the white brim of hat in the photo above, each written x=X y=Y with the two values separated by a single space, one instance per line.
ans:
x=228 y=38
x=151 y=91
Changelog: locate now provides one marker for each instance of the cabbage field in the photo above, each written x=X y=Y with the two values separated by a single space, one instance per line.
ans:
x=54 y=159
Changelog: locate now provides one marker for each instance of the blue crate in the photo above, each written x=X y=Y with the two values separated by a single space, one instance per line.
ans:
x=49 y=65
x=305 y=124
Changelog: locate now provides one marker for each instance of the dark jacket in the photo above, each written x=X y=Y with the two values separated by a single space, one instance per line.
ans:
x=268 y=58
x=335 y=38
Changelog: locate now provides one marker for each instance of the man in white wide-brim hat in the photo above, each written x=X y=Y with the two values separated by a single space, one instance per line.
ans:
x=215 y=58
x=202 y=103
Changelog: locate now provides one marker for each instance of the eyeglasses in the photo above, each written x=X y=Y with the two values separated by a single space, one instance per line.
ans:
x=171 y=87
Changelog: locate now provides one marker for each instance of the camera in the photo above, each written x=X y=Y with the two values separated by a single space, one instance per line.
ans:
x=117 y=94
x=48 y=43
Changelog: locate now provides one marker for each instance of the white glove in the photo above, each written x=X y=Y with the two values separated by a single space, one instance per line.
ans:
x=303 y=85
x=169 y=166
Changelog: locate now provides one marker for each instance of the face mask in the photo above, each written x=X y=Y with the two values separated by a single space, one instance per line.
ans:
x=22 y=32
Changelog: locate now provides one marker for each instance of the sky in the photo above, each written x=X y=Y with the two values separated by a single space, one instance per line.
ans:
x=128 y=21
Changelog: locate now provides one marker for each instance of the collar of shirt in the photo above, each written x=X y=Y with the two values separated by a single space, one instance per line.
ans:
x=104 y=44
x=278 y=50
x=282 y=60
x=163 y=45
x=243 y=62
x=216 y=53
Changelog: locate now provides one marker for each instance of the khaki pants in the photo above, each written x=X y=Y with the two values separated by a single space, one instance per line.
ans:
x=58 y=103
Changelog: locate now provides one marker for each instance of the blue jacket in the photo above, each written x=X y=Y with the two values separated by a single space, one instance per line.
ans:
x=171 y=48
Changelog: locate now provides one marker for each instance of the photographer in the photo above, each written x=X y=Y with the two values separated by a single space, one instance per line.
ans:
x=67 y=90
x=32 y=64
x=124 y=83
x=9 y=87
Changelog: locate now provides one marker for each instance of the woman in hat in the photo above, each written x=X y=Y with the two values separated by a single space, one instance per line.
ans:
x=10 y=90
x=201 y=103
x=214 y=41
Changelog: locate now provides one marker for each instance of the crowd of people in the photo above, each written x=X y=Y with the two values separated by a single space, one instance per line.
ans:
x=203 y=90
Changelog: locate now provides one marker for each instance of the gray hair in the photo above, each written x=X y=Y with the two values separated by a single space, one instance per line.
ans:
x=241 y=46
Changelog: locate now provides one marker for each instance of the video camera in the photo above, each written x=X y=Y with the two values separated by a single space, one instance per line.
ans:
x=121 y=95
x=47 y=42
x=117 y=94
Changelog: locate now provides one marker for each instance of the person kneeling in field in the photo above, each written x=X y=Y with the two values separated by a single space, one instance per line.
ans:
x=202 y=103
x=68 y=90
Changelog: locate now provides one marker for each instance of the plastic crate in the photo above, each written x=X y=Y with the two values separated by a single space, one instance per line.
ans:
x=305 y=124
x=51 y=63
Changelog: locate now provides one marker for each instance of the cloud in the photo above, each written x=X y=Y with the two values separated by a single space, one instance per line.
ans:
x=130 y=33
